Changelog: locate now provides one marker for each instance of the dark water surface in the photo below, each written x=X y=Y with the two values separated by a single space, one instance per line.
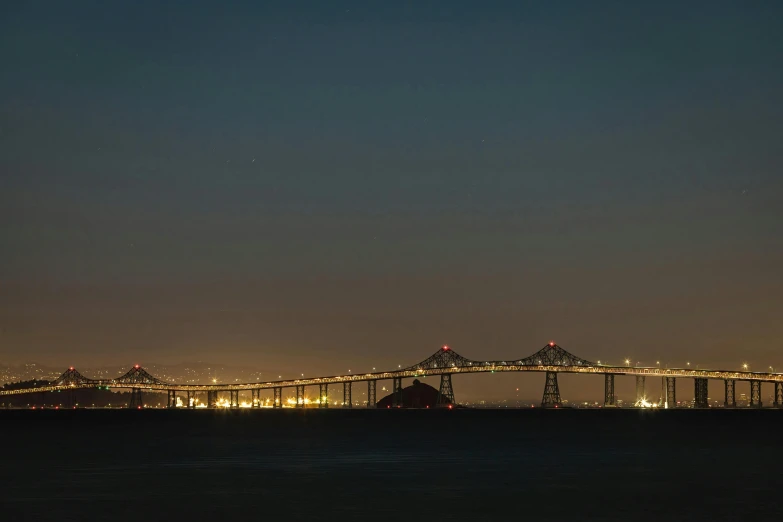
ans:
x=391 y=465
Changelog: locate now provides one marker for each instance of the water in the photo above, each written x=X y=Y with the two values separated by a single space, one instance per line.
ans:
x=391 y=465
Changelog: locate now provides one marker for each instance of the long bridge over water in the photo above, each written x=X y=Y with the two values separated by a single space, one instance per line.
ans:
x=551 y=359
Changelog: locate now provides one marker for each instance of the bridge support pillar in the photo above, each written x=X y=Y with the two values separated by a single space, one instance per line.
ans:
x=171 y=399
x=779 y=394
x=445 y=392
x=755 y=394
x=730 y=401
x=212 y=399
x=551 y=397
x=233 y=401
x=671 y=393
x=609 y=397
x=347 y=402
x=191 y=400
x=640 y=394
x=323 y=395
x=277 y=402
x=300 y=396
x=255 y=400
x=396 y=392
x=700 y=399
x=136 y=399
x=371 y=386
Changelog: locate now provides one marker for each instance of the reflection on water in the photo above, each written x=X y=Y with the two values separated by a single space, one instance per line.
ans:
x=382 y=465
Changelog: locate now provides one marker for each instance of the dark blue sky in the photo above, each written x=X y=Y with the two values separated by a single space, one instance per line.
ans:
x=271 y=181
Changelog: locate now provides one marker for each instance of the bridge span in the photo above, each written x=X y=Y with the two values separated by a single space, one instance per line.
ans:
x=551 y=359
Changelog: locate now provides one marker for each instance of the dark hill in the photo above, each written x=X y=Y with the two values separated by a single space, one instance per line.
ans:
x=418 y=395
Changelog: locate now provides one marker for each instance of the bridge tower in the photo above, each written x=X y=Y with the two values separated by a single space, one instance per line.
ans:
x=779 y=394
x=323 y=395
x=445 y=392
x=255 y=400
x=755 y=394
x=347 y=401
x=136 y=401
x=396 y=392
x=171 y=398
x=671 y=393
x=730 y=401
x=212 y=398
x=551 y=397
x=233 y=399
x=371 y=386
x=191 y=400
x=700 y=399
x=300 y=396
x=609 y=398
x=640 y=395
x=277 y=401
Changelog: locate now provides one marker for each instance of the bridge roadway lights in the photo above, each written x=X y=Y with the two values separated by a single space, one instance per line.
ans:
x=755 y=394
x=371 y=386
x=347 y=402
x=300 y=396
x=779 y=394
x=323 y=395
x=700 y=399
x=671 y=392
x=730 y=401
x=551 y=397
x=171 y=398
x=609 y=400
x=445 y=392
x=396 y=392
x=640 y=396
x=136 y=399
x=277 y=402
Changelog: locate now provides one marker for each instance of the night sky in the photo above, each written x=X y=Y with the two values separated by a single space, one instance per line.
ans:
x=317 y=186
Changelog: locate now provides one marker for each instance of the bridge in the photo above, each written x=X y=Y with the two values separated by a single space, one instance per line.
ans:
x=551 y=359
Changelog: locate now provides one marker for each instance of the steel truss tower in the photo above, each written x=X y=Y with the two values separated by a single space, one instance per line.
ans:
x=371 y=386
x=551 y=397
x=730 y=401
x=212 y=399
x=755 y=394
x=700 y=399
x=347 y=401
x=396 y=392
x=171 y=399
x=300 y=396
x=671 y=392
x=191 y=400
x=277 y=402
x=779 y=394
x=323 y=395
x=136 y=399
x=255 y=400
x=609 y=400
x=640 y=395
x=445 y=392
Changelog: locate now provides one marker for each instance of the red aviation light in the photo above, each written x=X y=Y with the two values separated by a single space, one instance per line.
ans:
x=445 y=347
x=551 y=343
x=71 y=368
x=137 y=366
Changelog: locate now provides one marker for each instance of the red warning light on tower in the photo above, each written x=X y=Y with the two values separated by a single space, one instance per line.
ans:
x=551 y=343
x=71 y=368
x=136 y=366
x=445 y=347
